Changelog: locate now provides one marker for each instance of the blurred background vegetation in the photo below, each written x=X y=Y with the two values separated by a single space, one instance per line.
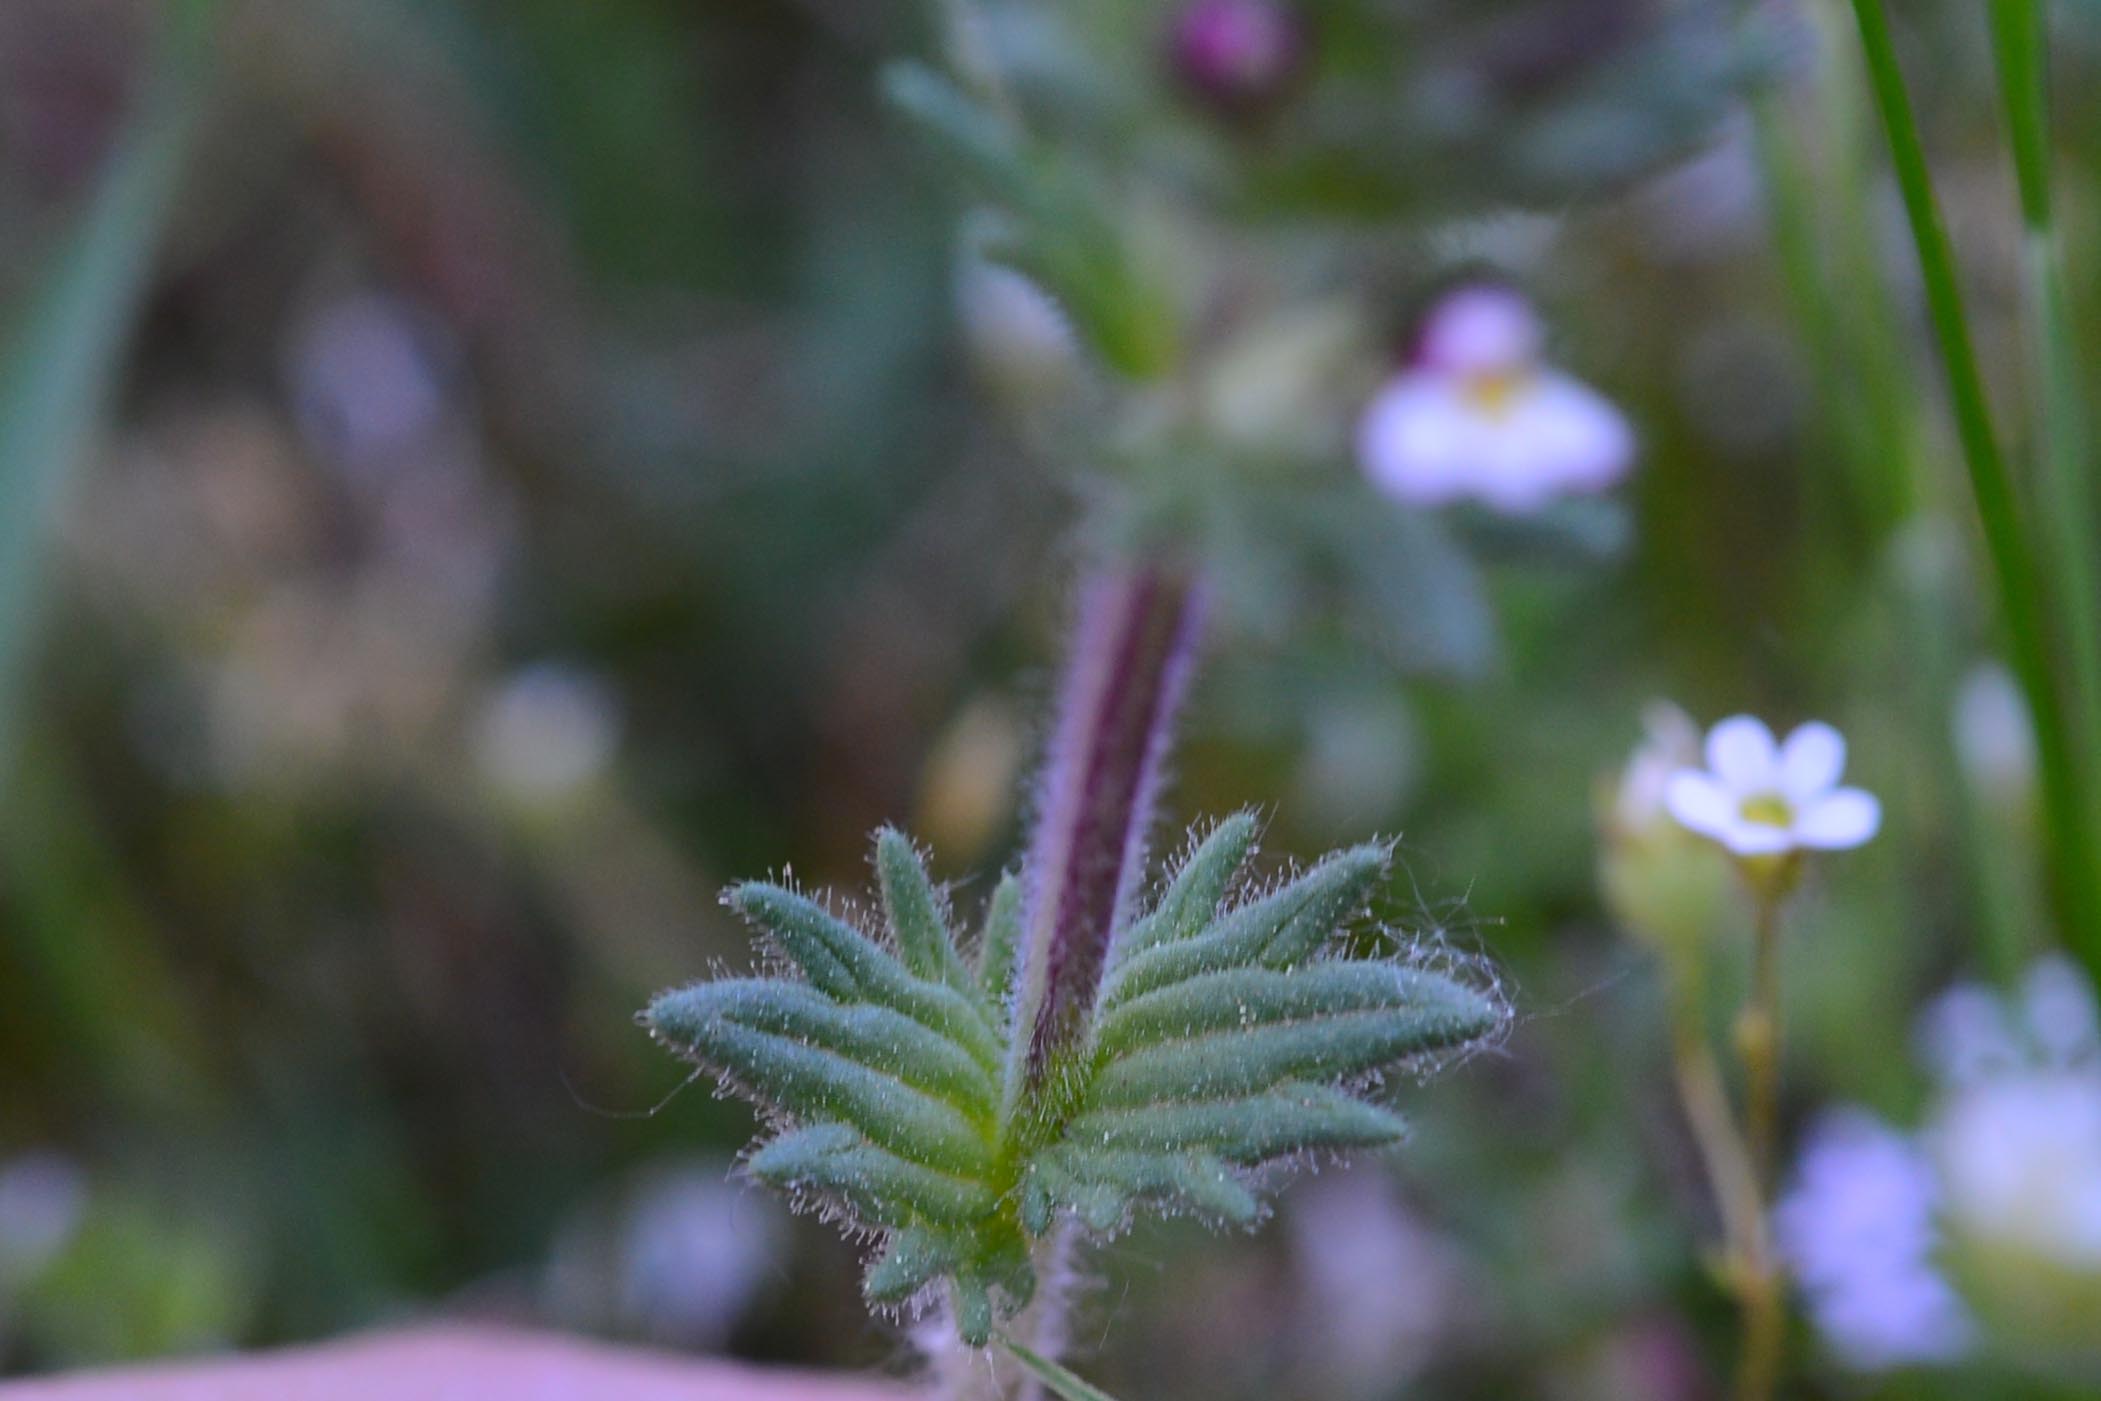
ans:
x=479 y=476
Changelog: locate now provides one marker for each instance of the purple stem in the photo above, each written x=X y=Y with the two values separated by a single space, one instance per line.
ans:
x=1132 y=649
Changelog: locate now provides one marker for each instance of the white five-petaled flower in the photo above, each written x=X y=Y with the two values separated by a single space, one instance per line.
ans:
x=1479 y=416
x=1759 y=798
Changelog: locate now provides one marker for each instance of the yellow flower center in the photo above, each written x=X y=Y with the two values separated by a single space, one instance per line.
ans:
x=1494 y=391
x=1767 y=810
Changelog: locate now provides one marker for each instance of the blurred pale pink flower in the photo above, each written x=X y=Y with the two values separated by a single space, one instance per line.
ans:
x=1759 y=798
x=1670 y=741
x=1478 y=416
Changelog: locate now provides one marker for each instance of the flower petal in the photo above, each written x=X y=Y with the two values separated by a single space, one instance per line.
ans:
x=1811 y=761
x=1418 y=440
x=1741 y=753
x=1844 y=817
x=1757 y=838
x=1577 y=438
x=1482 y=329
x=1699 y=803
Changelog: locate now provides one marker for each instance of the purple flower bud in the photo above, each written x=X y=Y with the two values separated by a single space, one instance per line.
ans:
x=1238 y=57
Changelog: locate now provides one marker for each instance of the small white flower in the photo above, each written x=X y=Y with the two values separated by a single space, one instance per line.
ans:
x=1758 y=798
x=1478 y=416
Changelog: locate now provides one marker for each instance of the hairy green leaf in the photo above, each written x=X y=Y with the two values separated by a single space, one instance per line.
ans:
x=1194 y=1181
x=913 y=1258
x=840 y=960
x=1192 y=900
x=871 y=1035
x=810 y=1081
x=883 y=1188
x=916 y=919
x=1251 y=997
x=1225 y=1039
x=1328 y=1046
x=1278 y=930
x=1290 y=1119
x=1002 y=938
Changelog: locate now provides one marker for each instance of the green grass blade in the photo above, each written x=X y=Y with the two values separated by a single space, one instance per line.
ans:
x=2012 y=558
x=2020 y=44
x=1064 y=1383
x=61 y=359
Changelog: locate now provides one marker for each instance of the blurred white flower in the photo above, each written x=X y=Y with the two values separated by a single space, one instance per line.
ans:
x=2017 y=1133
x=1670 y=741
x=1856 y=1226
x=1478 y=416
x=678 y=1256
x=1994 y=740
x=1758 y=798
x=546 y=731
x=1381 y=1288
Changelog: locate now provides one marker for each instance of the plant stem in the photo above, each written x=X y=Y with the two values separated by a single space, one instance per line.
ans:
x=1133 y=646
x=2013 y=561
x=1757 y=1273
x=1130 y=660
x=1723 y=1157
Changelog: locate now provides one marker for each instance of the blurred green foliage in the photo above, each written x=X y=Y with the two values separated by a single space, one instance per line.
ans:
x=546 y=475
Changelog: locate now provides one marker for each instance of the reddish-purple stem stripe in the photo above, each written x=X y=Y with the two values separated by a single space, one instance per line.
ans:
x=1131 y=655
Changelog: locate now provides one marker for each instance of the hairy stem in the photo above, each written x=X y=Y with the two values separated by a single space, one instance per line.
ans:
x=1131 y=652
x=1134 y=640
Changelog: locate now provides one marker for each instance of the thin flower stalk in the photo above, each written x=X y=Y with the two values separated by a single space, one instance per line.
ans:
x=1767 y=804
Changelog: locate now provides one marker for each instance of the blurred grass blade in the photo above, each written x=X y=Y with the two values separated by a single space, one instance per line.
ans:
x=62 y=355
x=2020 y=45
x=2073 y=850
x=1064 y=1383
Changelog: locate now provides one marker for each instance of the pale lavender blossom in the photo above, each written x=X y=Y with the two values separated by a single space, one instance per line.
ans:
x=1856 y=1227
x=2017 y=1132
x=1478 y=416
x=1759 y=798
x=43 y=1197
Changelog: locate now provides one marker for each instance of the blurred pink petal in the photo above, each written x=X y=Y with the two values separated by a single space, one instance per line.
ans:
x=453 y=1365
